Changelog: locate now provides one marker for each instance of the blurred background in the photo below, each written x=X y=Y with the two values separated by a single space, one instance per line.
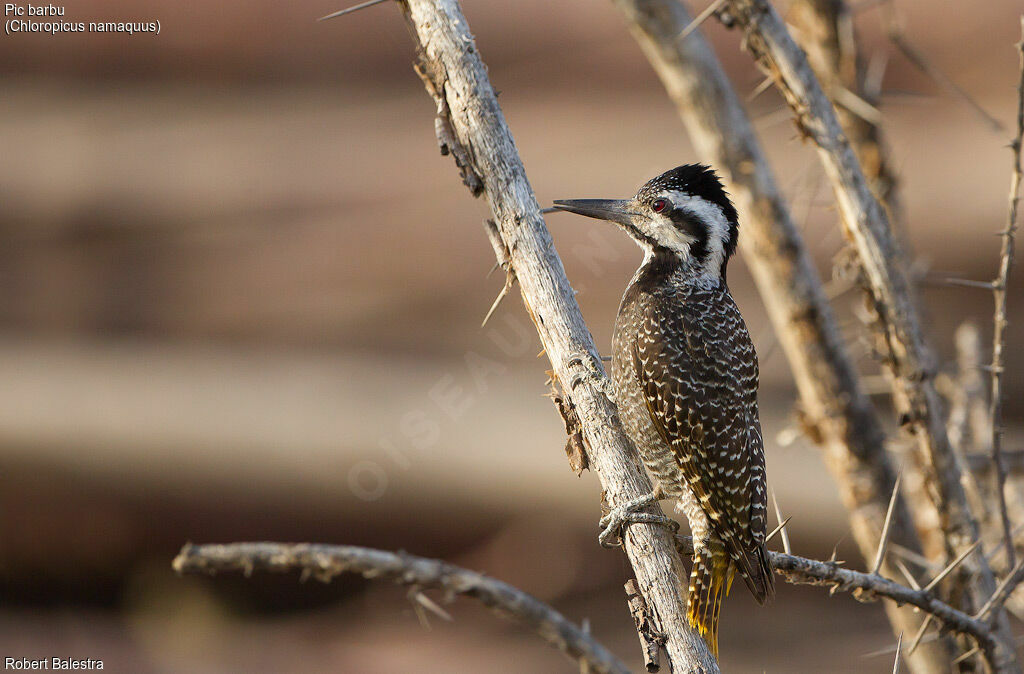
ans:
x=241 y=300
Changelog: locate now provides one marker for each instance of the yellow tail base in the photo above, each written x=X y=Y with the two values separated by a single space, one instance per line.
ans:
x=710 y=582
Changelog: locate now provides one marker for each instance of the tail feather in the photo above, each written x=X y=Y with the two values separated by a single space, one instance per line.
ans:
x=757 y=573
x=711 y=579
x=709 y=583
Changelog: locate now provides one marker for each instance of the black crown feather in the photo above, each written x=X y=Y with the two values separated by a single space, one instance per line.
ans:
x=701 y=181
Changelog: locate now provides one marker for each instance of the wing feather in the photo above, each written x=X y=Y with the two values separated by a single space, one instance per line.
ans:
x=698 y=372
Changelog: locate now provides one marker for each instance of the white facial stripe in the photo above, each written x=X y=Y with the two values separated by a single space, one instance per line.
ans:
x=713 y=216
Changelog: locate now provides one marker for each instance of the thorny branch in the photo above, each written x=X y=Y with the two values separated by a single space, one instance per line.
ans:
x=869 y=586
x=999 y=290
x=865 y=222
x=324 y=562
x=825 y=30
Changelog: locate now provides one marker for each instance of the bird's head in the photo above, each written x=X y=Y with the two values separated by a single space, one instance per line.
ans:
x=684 y=213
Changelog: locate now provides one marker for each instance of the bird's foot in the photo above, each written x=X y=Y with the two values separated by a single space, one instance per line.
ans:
x=614 y=523
x=587 y=367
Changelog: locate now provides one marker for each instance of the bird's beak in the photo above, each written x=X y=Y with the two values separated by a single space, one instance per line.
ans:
x=613 y=210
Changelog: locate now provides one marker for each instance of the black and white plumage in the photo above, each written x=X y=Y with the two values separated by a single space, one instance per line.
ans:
x=685 y=379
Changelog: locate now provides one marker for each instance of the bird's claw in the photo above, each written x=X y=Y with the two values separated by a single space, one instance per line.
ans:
x=589 y=369
x=614 y=523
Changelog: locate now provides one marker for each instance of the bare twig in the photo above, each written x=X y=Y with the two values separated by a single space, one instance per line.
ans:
x=835 y=412
x=324 y=562
x=910 y=362
x=1000 y=288
x=471 y=126
x=908 y=575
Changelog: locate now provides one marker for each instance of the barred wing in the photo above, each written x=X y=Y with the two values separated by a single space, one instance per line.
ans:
x=697 y=368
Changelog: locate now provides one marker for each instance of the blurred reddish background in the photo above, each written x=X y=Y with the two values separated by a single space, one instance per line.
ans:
x=239 y=283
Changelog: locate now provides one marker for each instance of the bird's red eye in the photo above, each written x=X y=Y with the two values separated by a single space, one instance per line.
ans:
x=659 y=205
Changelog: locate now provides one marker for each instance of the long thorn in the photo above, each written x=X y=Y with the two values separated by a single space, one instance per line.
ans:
x=969 y=283
x=764 y=86
x=354 y=8
x=952 y=565
x=896 y=661
x=965 y=656
x=906 y=574
x=911 y=556
x=782 y=525
x=857 y=105
x=510 y=278
x=920 y=633
x=429 y=604
x=990 y=557
x=883 y=541
x=701 y=18
x=1002 y=592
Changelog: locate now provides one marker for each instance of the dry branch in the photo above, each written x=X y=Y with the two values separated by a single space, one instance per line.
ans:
x=870 y=586
x=826 y=32
x=967 y=425
x=835 y=411
x=324 y=562
x=909 y=361
x=472 y=128
x=1000 y=288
